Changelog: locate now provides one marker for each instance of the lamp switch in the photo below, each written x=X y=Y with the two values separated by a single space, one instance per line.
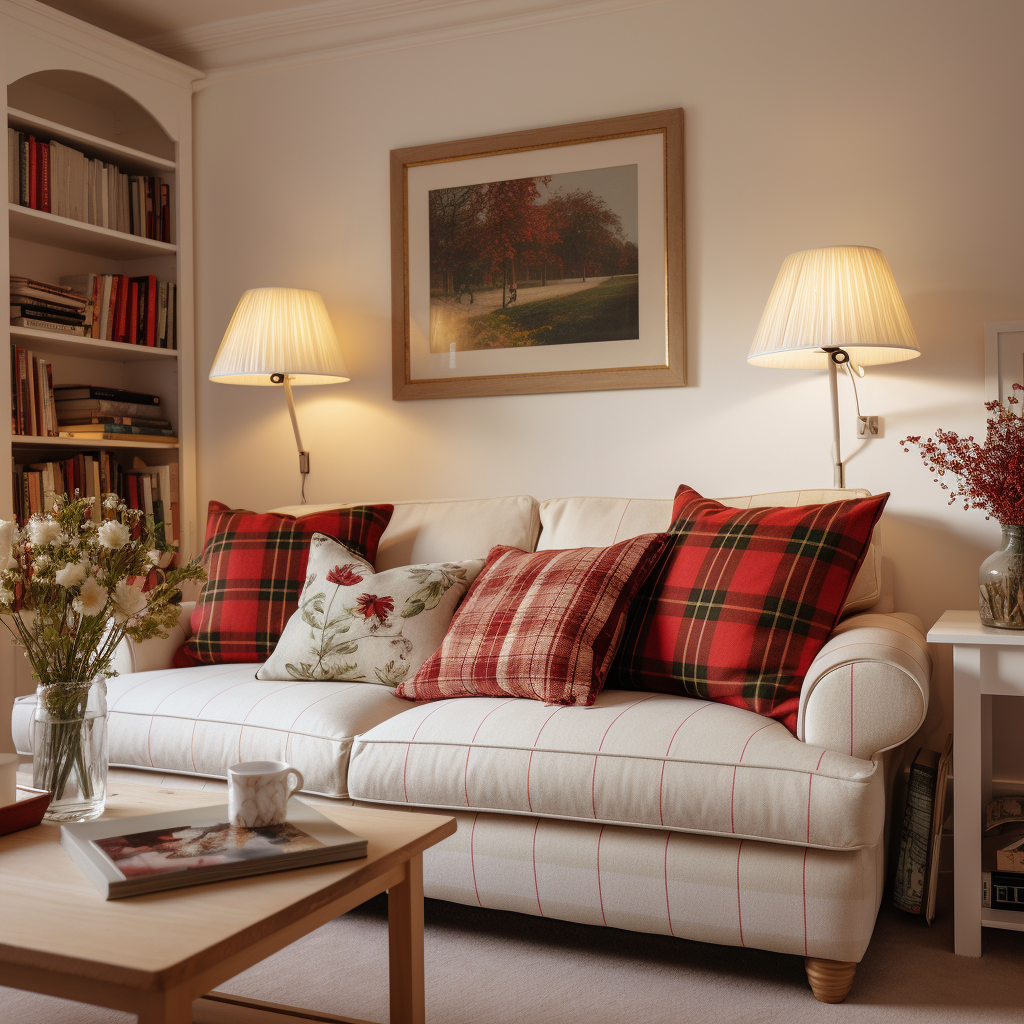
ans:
x=870 y=427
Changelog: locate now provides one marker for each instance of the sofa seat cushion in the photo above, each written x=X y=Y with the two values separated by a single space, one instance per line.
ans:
x=646 y=759
x=199 y=720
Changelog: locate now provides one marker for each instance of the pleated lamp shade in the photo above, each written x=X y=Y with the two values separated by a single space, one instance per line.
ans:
x=279 y=330
x=843 y=296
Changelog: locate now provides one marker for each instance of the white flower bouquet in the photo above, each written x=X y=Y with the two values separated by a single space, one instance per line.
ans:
x=71 y=589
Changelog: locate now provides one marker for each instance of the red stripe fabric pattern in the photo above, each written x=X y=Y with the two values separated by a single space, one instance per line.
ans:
x=543 y=625
x=256 y=565
x=743 y=600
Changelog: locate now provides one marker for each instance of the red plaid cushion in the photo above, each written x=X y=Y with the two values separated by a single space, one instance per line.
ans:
x=743 y=600
x=256 y=565
x=543 y=625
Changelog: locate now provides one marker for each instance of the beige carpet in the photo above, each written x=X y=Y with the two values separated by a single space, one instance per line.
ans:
x=489 y=967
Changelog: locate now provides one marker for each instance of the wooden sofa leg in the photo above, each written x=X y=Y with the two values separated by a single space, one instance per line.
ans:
x=830 y=980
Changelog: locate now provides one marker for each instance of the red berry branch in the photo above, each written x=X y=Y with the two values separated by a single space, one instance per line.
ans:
x=989 y=476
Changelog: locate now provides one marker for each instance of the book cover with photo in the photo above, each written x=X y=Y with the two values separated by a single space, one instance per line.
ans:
x=129 y=856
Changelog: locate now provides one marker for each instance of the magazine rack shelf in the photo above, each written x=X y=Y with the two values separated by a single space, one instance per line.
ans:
x=114 y=101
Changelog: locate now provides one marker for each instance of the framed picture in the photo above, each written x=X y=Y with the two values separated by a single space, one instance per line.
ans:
x=1004 y=358
x=542 y=260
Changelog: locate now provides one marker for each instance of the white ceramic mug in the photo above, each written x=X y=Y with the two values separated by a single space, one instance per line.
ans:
x=258 y=792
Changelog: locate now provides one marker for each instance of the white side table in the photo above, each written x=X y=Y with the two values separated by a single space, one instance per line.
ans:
x=986 y=662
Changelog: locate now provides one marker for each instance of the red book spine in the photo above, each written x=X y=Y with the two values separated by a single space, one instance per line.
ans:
x=33 y=173
x=133 y=491
x=151 y=290
x=133 y=320
x=44 y=176
x=112 y=307
x=122 y=309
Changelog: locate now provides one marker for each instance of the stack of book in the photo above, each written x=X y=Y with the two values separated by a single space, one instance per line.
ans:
x=49 y=307
x=136 y=310
x=111 y=414
x=1002 y=855
x=33 y=405
x=92 y=474
x=152 y=489
x=55 y=178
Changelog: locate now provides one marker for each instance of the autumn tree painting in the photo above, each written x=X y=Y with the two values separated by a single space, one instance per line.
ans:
x=550 y=260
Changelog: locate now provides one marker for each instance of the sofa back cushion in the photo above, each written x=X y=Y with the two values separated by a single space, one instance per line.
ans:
x=598 y=522
x=422 y=532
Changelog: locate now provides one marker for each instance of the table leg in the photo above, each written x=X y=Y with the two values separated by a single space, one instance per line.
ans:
x=405 y=943
x=173 y=1006
x=967 y=757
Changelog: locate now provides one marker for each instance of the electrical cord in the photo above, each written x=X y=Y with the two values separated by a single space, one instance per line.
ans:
x=853 y=381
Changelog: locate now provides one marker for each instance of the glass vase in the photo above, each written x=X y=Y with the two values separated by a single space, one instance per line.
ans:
x=1001 y=579
x=69 y=748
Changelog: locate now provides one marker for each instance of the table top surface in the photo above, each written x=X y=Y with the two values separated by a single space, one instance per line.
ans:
x=53 y=916
x=964 y=627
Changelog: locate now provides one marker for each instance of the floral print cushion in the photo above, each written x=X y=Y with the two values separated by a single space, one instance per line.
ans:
x=355 y=625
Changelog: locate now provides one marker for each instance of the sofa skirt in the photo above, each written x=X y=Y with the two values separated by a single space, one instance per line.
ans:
x=789 y=899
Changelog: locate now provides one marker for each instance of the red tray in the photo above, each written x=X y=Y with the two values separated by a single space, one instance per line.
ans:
x=26 y=811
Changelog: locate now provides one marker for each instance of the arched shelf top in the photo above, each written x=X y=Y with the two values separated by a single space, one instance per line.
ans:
x=93 y=106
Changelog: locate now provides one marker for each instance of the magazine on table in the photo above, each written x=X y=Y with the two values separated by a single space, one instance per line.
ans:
x=172 y=849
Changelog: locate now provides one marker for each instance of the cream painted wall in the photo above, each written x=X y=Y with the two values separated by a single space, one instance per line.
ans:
x=893 y=123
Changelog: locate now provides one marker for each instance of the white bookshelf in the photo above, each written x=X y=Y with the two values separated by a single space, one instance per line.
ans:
x=118 y=102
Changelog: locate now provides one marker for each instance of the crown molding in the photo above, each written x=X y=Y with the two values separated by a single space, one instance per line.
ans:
x=96 y=43
x=336 y=29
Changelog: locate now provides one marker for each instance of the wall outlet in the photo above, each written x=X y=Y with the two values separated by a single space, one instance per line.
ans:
x=870 y=427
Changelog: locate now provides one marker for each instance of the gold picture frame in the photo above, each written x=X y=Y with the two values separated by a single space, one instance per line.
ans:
x=604 y=197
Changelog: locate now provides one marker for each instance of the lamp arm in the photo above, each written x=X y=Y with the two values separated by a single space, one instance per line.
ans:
x=303 y=454
x=836 y=357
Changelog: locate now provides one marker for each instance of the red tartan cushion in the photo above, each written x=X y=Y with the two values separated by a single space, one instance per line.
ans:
x=743 y=600
x=256 y=565
x=543 y=624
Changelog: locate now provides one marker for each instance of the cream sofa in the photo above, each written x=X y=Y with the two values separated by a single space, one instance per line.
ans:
x=646 y=812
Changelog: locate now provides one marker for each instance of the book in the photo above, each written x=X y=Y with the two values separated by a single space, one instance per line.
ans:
x=115 y=428
x=27 y=288
x=173 y=849
x=48 y=325
x=107 y=436
x=74 y=420
x=1011 y=857
x=53 y=314
x=101 y=406
x=912 y=865
x=1001 y=890
x=93 y=392
x=938 y=816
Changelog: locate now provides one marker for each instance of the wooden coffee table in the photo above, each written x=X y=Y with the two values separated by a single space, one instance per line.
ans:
x=159 y=955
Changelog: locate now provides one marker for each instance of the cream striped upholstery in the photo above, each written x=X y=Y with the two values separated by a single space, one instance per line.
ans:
x=200 y=720
x=633 y=758
x=867 y=690
x=790 y=899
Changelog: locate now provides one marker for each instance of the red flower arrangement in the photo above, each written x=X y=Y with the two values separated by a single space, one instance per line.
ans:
x=989 y=476
x=344 y=576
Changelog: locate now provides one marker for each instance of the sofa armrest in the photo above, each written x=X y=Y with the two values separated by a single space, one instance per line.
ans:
x=158 y=653
x=867 y=690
